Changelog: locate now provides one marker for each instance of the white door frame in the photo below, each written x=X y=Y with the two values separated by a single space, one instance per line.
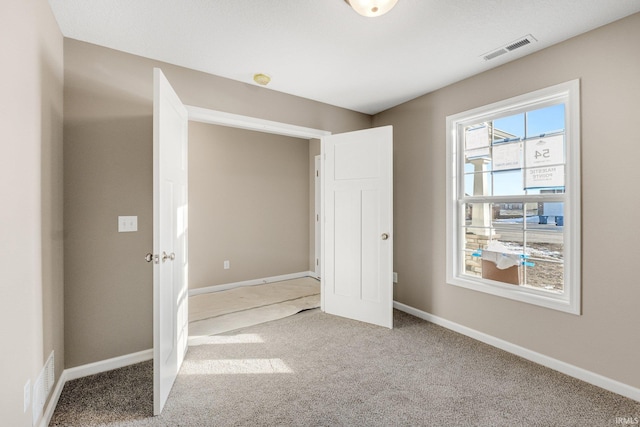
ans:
x=317 y=214
x=221 y=118
x=205 y=115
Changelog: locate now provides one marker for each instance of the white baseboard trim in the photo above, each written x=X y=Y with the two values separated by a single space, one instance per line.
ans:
x=90 y=369
x=108 y=364
x=262 y=281
x=555 y=364
x=53 y=402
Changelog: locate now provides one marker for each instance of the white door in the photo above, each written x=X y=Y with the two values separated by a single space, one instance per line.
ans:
x=170 y=317
x=316 y=218
x=357 y=199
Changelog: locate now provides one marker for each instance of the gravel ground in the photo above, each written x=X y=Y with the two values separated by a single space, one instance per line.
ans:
x=548 y=269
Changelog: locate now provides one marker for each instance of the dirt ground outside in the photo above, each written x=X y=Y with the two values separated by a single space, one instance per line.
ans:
x=547 y=271
x=544 y=265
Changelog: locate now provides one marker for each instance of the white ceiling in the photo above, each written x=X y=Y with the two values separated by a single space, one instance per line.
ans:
x=323 y=50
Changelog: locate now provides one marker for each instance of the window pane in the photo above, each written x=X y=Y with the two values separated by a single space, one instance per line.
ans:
x=472 y=264
x=473 y=245
x=547 y=246
x=550 y=216
x=476 y=137
x=545 y=120
x=508 y=215
x=502 y=257
x=544 y=151
x=544 y=275
x=544 y=265
x=477 y=168
x=509 y=127
x=507 y=156
x=478 y=218
x=508 y=183
x=512 y=240
x=477 y=184
x=545 y=178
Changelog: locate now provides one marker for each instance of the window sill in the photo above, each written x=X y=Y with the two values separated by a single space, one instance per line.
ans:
x=547 y=299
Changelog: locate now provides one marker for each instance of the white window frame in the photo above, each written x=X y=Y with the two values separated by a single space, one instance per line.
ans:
x=570 y=299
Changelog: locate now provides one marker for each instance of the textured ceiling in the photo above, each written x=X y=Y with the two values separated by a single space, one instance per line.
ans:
x=323 y=50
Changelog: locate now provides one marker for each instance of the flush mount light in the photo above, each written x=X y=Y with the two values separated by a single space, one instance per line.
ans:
x=371 y=8
x=261 y=79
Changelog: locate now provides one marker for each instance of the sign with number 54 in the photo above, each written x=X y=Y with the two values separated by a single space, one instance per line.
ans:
x=544 y=151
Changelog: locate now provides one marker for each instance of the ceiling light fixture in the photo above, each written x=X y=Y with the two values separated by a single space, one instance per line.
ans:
x=261 y=79
x=371 y=8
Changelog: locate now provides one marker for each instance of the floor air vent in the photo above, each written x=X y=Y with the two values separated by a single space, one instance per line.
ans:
x=42 y=387
x=523 y=41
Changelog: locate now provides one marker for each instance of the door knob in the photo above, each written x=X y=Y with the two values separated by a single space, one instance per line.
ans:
x=151 y=258
x=165 y=257
x=385 y=236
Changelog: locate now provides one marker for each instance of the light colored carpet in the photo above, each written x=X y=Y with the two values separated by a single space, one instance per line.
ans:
x=314 y=369
x=224 y=311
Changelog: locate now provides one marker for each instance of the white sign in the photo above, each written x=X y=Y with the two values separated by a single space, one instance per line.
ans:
x=544 y=151
x=476 y=138
x=548 y=176
x=507 y=156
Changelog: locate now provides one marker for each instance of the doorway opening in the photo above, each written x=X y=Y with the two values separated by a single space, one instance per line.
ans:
x=357 y=224
x=253 y=220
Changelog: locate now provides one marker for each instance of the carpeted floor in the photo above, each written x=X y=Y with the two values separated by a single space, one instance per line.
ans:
x=314 y=369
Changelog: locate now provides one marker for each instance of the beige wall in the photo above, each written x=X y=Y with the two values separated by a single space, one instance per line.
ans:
x=248 y=203
x=31 y=307
x=108 y=172
x=604 y=339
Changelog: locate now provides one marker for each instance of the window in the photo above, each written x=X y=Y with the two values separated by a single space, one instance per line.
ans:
x=513 y=198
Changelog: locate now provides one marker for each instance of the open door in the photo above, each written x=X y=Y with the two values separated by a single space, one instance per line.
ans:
x=316 y=217
x=357 y=200
x=170 y=298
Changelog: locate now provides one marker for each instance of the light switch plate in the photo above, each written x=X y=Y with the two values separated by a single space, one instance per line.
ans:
x=127 y=224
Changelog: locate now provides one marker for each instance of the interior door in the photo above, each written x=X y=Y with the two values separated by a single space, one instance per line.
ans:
x=357 y=200
x=316 y=218
x=170 y=298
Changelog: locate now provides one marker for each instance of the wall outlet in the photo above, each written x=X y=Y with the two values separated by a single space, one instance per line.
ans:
x=226 y=265
x=395 y=277
x=27 y=395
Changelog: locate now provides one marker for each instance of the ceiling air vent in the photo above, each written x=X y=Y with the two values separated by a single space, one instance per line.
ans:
x=495 y=54
x=523 y=41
